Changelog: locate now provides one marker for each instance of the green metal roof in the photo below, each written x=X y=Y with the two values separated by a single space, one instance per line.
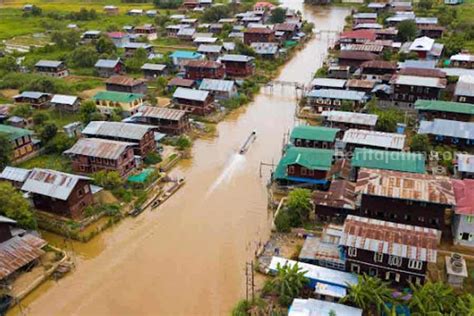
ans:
x=142 y=176
x=444 y=106
x=388 y=160
x=14 y=132
x=123 y=97
x=310 y=158
x=316 y=133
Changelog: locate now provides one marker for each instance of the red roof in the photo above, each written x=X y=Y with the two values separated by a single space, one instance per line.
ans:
x=116 y=34
x=203 y=64
x=422 y=72
x=369 y=35
x=464 y=194
x=259 y=30
x=180 y=82
x=264 y=4
x=285 y=27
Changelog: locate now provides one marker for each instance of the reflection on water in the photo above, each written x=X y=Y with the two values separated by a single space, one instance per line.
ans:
x=188 y=256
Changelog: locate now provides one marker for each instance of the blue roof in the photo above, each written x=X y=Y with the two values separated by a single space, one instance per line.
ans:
x=185 y=54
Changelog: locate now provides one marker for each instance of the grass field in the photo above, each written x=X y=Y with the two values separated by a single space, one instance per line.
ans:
x=71 y=5
x=55 y=162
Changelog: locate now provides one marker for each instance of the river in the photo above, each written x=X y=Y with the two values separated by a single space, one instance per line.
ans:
x=188 y=257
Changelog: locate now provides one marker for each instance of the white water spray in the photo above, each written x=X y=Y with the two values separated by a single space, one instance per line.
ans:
x=235 y=163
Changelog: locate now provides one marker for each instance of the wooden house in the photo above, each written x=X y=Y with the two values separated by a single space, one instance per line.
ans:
x=90 y=155
x=39 y=100
x=220 y=89
x=153 y=71
x=258 y=35
x=464 y=91
x=449 y=132
x=140 y=135
x=354 y=59
x=59 y=193
x=377 y=69
x=111 y=10
x=359 y=138
x=429 y=110
x=304 y=166
x=462 y=60
x=178 y=82
x=194 y=101
x=147 y=31
x=336 y=203
x=200 y=69
x=65 y=103
x=52 y=68
x=333 y=99
x=238 y=66
x=313 y=136
x=406 y=198
x=164 y=120
x=109 y=67
x=396 y=253
x=131 y=48
x=126 y=84
x=349 y=120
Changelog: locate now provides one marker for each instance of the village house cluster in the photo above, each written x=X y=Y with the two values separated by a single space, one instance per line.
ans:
x=385 y=208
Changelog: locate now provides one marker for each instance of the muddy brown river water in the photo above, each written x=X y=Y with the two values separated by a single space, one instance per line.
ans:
x=188 y=257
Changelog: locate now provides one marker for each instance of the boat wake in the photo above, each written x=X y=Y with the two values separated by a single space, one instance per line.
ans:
x=235 y=163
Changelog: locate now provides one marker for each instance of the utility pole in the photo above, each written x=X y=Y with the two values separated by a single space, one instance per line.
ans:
x=249 y=281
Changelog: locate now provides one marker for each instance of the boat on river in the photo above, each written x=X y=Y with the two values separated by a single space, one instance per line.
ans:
x=245 y=147
x=168 y=193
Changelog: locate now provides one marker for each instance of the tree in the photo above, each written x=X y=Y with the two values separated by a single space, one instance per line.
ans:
x=369 y=293
x=48 y=131
x=168 y=4
x=8 y=64
x=454 y=44
x=407 y=30
x=216 y=13
x=66 y=39
x=6 y=151
x=288 y=282
x=283 y=221
x=105 y=45
x=278 y=15
x=39 y=118
x=59 y=144
x=425 y=4
x=432 y=299
x=108 y=179
x=183 y=142
x=299 y=202
x=420 y=143
x=16 y=207
x=135 y=62
x=87 y=111
x=22 y=110
x=83 y=57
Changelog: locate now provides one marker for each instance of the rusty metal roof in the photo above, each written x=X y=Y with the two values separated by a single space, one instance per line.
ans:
x=357 y=55
x=464 y=193
x=406 y=241
x=181 y=82
x=161 y=113
x=381 y=64
x=202 y=64
x=124 y=81
x=101 y=148
x=405 y=185
x=374 y=48
x=52 y=183
x=341 y=194
x=422 y=72
x=19 y=251
x=259 y=30
x=376 y=139
x=361 y=83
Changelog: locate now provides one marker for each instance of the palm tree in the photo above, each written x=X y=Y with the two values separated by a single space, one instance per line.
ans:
x=288 y=282
x=370 y=293
x=432 y=299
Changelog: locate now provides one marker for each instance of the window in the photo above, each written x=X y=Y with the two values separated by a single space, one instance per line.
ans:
x=291 y=170
x=373 y=271
x=415 y=264
x=303 y=171
x=462 y=99
x=421 y=219
x=355 y=268
x=464 y=236
x=86 y=188
x=80 y=192
x=378 y=257
x=395 y=261
x=352 y=252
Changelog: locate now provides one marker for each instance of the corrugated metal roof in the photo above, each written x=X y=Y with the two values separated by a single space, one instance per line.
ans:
x=422 y=72
x=52 y=183
x=203 y=64
x=370 y=26
x=338 y=94
x=426 y=20
x=161 y=113
x=317 y=273
x=18 y=251
x=49 y=63
x=157 y=67
x=180 y=82
x=265 y=48
x=186 y=31
x=107 y=63
x=351 y=117
x=115 y=96
x=362 y=48
x=341 y=194
x=444 y=106
x=361 y=83
x=236 y=58
x=116 y=129
x=465 y=86
x=316 y=133
x=14 y=174
x=422 y=44
x=205 y=40
x=419 y=81
x=190 y=94
x=448 y=128
x=376 y=139
x=64 y=99
x=136 y=45
x=217 y=85
x=357 y=55
x=464 y=194
x=407 y=186
x=462 y=57
x=312 y=307
x=31 y=94
x=328 y=82
x=14 y=132
x=406 y=241
x=203 y=48
x=124 y=81
x=101 y=148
